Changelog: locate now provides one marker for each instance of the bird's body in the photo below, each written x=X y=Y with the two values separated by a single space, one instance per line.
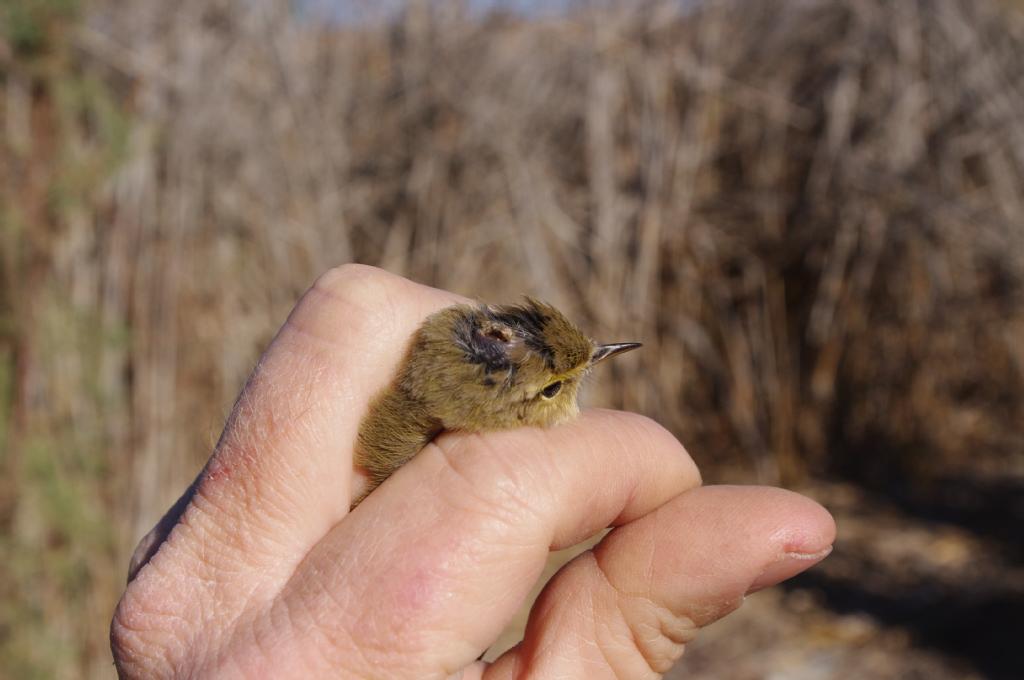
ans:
x=478 y=368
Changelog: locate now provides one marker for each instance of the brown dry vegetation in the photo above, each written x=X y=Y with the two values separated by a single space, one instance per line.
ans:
x=811 y=213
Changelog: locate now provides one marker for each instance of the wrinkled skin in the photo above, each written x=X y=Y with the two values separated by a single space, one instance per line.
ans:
x=261 y=570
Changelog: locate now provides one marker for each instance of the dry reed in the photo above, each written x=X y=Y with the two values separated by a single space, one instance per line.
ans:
x=811 y=213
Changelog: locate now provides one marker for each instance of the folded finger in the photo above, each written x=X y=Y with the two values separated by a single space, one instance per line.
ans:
x=424 y=574
x=281 y=473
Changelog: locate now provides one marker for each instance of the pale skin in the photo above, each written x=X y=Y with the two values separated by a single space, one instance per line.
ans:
x=262 y=571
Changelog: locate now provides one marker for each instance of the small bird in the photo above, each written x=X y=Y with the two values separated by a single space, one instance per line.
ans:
x=478 y=368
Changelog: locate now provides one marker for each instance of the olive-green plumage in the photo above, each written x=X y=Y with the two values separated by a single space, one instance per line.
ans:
x=478 y=368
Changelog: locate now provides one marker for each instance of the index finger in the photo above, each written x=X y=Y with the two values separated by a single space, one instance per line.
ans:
x=281 y=474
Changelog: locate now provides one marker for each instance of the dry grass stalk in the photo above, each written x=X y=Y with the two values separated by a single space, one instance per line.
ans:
x=811 y=214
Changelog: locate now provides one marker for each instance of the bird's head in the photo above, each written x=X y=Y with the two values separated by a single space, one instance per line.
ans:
x=518 y=365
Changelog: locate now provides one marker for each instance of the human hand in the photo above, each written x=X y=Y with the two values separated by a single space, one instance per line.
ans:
x=261 y=570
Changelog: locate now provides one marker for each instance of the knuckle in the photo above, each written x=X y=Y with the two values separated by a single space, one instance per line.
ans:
x=355 y=282
x=658 y=636
x=351 y=300
x=652 y=637
x=135 y=641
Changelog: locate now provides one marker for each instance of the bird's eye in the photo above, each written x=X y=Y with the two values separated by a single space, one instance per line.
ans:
x=551 y=390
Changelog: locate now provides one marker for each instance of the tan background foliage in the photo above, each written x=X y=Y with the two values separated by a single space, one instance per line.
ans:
x=812 y=214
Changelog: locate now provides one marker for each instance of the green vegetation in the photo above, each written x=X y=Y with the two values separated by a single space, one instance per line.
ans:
x=57 y=540
x=34 y=27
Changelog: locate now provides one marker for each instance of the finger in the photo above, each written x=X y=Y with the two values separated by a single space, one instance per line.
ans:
x=152 y=541
x=441 y=556
x=627 y=608
x=280 y=476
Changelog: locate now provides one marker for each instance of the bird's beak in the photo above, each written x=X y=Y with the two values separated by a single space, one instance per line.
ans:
x=604 y=351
